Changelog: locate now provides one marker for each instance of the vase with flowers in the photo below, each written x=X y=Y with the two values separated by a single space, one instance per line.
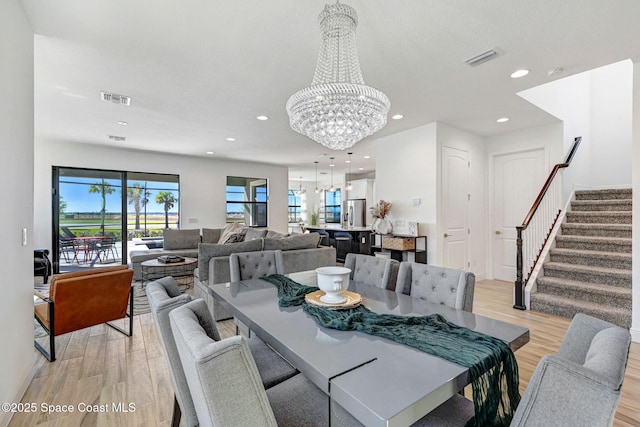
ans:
x=381 y=224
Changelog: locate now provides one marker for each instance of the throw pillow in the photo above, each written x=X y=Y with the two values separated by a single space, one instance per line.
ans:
x=275 y=235
x=181 y=239
x=301 y=241
x=255 y=233
x=227 y=235
x=211 y=235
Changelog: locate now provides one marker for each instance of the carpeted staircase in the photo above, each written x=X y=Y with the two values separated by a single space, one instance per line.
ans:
x=590 y=268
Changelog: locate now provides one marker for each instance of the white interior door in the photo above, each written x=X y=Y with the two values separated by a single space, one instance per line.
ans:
x=455 y=205
x=517 y=179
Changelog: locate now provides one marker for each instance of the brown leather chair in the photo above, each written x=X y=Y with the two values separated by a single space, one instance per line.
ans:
x=82 y=299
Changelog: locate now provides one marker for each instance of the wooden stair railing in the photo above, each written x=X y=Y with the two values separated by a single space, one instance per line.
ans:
x=542 y=217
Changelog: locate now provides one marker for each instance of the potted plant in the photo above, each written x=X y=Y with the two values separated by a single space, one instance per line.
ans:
x=381 y=224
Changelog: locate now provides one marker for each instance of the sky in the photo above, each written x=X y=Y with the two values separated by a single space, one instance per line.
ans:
x=75 y=193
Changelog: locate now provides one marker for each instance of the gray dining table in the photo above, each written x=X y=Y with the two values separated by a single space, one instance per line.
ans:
x=379 y=382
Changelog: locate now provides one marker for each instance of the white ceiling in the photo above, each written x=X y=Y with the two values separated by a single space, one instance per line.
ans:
x=200 y=71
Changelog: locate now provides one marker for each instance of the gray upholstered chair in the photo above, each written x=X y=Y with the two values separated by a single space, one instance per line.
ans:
x=446 y=286
x=164 y=295
x=254 y=265
x=371 y=270
x=225 y=384
x=578 y=386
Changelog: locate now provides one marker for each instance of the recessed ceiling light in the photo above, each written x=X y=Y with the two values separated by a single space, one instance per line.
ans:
x=231 y=139
x=503 y=119
x=397 y=116
x=360 y=169
x=262 y=118
x=519 y=73
x=123 y=123
x=209 y=152
x=366 y=157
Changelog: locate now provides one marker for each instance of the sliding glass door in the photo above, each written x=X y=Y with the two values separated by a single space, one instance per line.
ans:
x=89 y=227
x=88 y=222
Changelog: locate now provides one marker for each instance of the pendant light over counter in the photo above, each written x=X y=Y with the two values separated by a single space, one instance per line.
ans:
x=331 y=165
x=317 y=190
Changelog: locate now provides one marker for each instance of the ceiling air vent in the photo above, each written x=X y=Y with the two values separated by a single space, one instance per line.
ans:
x=117 y=138
x=115 y=98
x=483 y=57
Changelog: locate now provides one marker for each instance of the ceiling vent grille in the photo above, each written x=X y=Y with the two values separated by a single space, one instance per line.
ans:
x=115 y=98
x=117 y=138
x=483 y=57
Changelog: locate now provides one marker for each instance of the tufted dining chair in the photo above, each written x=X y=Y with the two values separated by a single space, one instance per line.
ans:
x=225 y=385
x=371 y=270
x=164 y=296
x=254 y=265
x=446 y=286
x=578 y=386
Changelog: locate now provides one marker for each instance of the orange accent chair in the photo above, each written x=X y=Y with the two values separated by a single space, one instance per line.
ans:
x=82 y=299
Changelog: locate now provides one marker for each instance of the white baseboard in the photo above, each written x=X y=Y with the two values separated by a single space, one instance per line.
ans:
x=635 y=335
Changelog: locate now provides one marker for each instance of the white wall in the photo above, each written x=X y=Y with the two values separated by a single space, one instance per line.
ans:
x=596 y=105
x=475 y=145
x=406 y=169
x=611 y=103
x=16 y=167
x=202 y=181
x=635 y=322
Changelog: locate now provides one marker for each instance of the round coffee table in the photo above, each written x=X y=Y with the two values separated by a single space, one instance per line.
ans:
x=182 y=271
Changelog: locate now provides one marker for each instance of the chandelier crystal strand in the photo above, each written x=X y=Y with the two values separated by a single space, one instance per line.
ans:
x=338 y=109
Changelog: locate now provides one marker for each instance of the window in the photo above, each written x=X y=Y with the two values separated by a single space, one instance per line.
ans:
x=332 y=206
x=247 y=201
x=295 y=207
x=153 y=203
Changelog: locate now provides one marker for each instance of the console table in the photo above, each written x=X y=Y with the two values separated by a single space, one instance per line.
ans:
x=401 y=247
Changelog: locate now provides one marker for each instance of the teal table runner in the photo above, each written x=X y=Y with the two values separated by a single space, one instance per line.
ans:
x=492 y=366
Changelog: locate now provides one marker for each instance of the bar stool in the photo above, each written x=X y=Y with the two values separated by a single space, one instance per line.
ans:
x=324 y=238
x=343 y=244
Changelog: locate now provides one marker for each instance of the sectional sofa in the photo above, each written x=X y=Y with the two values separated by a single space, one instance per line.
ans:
x=213 y=247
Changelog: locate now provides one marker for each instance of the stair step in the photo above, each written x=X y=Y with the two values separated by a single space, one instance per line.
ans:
x=601 y=230
x=591 y=292
x=606 y=194
x=588 y=274
x=599 y=217
x=567 y=307
x=592 y=258
x=594 y=243
x=601 y=205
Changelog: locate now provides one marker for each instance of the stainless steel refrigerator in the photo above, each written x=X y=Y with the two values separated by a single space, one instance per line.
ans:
x=354 y=213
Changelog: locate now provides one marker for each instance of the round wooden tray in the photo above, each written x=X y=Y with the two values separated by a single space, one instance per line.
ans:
x=353 y=300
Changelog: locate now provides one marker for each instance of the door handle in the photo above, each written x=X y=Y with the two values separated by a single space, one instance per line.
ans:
x=446 y=235
x=498 y=232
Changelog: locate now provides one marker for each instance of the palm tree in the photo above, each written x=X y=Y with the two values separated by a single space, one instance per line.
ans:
x=138 y=197
x=103 y=188
x=166 y=198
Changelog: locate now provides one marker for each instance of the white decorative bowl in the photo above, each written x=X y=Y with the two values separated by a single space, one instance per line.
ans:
x=333 y=281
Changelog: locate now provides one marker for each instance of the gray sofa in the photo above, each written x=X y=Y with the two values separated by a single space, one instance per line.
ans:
x=185 y=243
x=299 y=253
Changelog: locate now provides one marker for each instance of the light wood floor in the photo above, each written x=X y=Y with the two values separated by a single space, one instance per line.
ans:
x=99 y=366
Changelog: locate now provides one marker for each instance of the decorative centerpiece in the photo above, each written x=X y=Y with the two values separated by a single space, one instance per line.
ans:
x=381 y=224
x=333 y=281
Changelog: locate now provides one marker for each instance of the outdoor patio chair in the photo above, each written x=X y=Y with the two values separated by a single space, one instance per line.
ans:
x=82 y=299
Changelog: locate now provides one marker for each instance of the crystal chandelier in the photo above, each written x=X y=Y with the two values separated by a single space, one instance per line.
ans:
x=338 y=109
